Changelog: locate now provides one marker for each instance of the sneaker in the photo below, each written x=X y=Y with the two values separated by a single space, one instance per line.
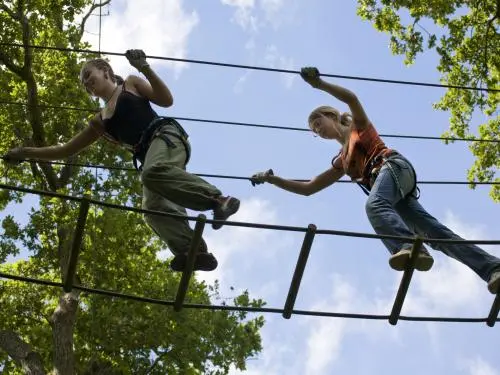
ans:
x=399 y=260
x=203 y=262
x=226 y=206
x=494 y=283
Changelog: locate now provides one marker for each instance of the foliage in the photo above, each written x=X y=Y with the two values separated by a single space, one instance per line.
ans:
x=82 y=333
x=464 y=33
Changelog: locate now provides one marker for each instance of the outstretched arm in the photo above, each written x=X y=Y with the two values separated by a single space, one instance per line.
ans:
x=311 y=76
x=75 y=145
x=310 y=187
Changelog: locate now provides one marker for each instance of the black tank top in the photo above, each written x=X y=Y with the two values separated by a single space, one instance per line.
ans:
x=132 y=116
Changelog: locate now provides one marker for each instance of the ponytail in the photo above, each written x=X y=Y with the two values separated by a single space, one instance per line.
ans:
x=118 y=79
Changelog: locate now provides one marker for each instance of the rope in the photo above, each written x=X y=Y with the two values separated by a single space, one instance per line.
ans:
x=263 y=126
x=243 y=223
x=244 y=178
x=272 y=310
x=252 y=67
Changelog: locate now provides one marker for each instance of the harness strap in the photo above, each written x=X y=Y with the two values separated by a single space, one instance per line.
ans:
x=152 y=131
x=376 y=165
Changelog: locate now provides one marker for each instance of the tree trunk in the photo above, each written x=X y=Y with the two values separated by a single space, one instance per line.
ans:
x=63 y=321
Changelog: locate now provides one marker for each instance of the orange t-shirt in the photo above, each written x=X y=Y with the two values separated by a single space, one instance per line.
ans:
x=363 y=146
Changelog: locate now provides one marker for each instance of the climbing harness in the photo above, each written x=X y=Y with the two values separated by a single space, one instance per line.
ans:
x=164 y=128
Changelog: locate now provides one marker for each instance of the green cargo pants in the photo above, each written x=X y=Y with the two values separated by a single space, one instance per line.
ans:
x=168 y=187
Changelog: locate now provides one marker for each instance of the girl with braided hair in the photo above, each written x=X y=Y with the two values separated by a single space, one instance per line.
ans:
x=160 y=144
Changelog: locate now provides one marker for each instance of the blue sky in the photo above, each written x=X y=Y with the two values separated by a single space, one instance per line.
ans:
x=343 y=274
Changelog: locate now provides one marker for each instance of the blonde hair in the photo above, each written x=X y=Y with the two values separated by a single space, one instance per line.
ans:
x=325 y=110
x=103 y=65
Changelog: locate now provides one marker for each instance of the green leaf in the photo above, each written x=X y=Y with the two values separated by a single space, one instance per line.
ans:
x=469 y=51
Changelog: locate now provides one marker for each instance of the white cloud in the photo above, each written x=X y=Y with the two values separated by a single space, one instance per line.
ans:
x=324 y=344
x=243 y=14
x=272 y=8
x=241 y=245
x=240 y=3
x=240 y=83
x=278 y=61
x=249 y=16
x=479 y=366
x=252 y=18
x=159 y=27
x=449 y=289
x=273 y=360
x=470 y=231
x=326 y=334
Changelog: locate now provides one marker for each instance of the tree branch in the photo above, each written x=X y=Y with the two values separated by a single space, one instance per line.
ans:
x=66 y=172
x=9 y=11
x=89 y=13
x=64 y=243
x=5 y=60
x=37 y=174
x=417 y=23
x=21 y=353
x=34 y=113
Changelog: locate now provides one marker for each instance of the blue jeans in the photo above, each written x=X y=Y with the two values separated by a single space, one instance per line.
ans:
x=392 y=210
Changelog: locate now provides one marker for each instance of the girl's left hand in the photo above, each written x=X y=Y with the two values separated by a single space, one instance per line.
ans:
x=137 y=58
x=311 y=76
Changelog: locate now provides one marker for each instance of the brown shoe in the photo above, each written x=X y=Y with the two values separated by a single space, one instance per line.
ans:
x=203 y=262
x=226 y=206
x=399 y=260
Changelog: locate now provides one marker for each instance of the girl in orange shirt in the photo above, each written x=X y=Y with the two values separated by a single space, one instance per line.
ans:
x=389 y=180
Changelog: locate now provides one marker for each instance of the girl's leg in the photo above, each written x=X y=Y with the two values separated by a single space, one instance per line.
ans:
x=425 y=224
x=176 y=232
x=164 y=174
x=396 y=180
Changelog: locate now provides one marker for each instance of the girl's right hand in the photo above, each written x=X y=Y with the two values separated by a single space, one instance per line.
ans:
x=261 y=177
x=15 y=156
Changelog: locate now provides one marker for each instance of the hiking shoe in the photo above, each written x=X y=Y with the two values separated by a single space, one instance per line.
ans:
x=179 y=262
x=203 y=262
x=226 y=206
x=494 y=283
x=399 y=260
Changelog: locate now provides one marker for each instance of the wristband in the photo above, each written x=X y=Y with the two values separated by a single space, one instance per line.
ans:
x=142 y=67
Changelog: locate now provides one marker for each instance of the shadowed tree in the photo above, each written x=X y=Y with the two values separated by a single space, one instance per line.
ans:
x=43 y=329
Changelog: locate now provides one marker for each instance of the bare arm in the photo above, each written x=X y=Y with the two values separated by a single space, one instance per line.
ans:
x=348 y=97
x=311 y=76
x=75 y=145
x=153 y=89
x=310 y=187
